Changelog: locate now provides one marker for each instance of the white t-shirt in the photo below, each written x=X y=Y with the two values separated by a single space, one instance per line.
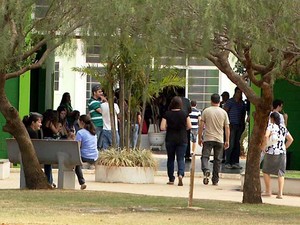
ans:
x=106 y=117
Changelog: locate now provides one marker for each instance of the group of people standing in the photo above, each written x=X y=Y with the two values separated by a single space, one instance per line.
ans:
x=219 y=128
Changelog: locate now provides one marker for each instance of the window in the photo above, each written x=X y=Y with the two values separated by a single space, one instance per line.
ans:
x=93 y=54
x=56 y=76
x=90 y=82
x=42 y=6
x=202 y=84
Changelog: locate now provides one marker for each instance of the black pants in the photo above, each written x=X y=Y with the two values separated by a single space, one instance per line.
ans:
x=188 y=148
x=78 y=170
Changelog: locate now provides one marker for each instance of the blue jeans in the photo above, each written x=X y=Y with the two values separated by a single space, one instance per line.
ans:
x=107 y=139
x=232 y=154
x=99 y=136
x=135 y=134
x=178 y=150
x=48 y=173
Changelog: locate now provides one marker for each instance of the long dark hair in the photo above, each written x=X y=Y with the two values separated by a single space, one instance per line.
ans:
x=88 y=124
x=32 y=117
x=65 y=98
x=276 y=117
x=59 y=110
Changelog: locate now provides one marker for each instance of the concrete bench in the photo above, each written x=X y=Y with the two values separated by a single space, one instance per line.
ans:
x=4 y=169
x=65 y=153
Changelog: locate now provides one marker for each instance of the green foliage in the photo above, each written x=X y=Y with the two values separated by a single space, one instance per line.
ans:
x=31 y=30
x=127 y=158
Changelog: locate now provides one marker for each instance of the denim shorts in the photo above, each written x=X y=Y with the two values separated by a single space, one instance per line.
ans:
x=194 y=134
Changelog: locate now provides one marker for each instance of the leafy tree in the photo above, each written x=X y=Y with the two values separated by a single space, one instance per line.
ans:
x=128 y=44
x=25 y=30
x=262 y=35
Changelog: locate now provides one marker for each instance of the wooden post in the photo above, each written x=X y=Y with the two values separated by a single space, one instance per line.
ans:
x=192 y=174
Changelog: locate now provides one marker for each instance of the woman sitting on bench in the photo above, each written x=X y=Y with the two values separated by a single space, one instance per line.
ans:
x=88 y=145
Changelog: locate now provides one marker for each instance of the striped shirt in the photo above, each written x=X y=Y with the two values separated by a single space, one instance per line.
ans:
x=194 y=115
x=96 y=117
x=236 y=111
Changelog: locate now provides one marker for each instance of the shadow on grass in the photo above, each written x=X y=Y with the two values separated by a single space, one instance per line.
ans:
x=91 y=207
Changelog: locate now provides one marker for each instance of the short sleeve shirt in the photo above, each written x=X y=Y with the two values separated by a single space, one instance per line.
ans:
x=215 y=119
x=88 y=148
x=194 y=115
x=279 y=147
x=176 y=126
x=236 y=111
x=96 y=117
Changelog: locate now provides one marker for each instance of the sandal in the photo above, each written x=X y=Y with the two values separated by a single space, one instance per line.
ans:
x=279 y=196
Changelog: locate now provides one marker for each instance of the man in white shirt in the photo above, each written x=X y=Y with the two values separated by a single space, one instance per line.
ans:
x=107 y=132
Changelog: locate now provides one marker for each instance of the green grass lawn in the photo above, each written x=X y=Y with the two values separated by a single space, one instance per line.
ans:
x=292 y=174
x=91 y=207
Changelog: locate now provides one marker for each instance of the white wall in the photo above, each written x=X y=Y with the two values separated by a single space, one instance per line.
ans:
x=71 y=81
x=75 y=83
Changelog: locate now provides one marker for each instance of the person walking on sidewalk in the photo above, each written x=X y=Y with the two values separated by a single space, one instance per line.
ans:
x=195 y=116
x=176 y=122
x=215 y=120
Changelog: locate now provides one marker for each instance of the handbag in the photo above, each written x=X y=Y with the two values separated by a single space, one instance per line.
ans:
x=273 y=139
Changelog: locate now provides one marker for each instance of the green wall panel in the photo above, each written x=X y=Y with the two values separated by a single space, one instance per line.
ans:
x=12 y=92
x=24 y=96
x=290 y=94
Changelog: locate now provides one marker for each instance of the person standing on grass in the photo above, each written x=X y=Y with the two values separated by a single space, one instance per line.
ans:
x=87 y=139
x=275 y=154
x=215 y=120
x=176 y=122
x=195 y=116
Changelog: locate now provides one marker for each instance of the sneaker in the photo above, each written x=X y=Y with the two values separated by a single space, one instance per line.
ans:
x=180 y=180
x=53 y=185
x=83 y=186
x=170 y=182
x=236 y=166
x=228 y=166
x=215 y=183
x=206 y=177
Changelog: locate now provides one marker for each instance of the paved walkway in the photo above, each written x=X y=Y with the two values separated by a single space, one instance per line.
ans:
x=228 y=189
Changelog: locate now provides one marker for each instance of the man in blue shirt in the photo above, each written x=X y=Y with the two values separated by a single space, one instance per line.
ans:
x=236 y=109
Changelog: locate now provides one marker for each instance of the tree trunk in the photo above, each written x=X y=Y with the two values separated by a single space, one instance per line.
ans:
x=122 y=107
x=128 y=118
x=112 y=114
x=34 y=176
x=252 y=186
